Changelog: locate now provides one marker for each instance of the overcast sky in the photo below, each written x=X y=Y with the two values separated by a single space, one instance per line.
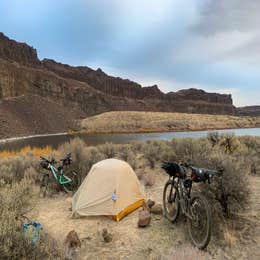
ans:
x=176 y=44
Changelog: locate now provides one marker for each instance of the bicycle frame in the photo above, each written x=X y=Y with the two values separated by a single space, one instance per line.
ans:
x=183 y=196
x=55 y=173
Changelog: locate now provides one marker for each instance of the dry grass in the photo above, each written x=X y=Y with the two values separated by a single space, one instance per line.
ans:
x=238 y=156
x=26 y=150
x=230 y=238
x=131 y=121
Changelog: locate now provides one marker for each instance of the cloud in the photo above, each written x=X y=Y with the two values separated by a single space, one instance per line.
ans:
x=232 y=28
x=209 y=44
x=225 y=16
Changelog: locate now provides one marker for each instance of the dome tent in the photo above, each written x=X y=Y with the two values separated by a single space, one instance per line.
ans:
x=111 y=188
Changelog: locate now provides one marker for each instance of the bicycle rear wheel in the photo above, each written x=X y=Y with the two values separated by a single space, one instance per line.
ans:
x=73 y=185
x=199 y=226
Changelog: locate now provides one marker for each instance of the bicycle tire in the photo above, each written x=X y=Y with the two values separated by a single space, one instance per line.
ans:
x=74 y=184
x=192 y=222
x=174 y=215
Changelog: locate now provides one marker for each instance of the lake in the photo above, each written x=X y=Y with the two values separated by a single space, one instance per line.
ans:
x=95 y=139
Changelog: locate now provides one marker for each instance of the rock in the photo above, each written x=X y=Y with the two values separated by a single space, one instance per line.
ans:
x=72 y=239
x=106 y=235
x=157 y=209
x=144 y=218
x=150 y=203
x=72 y=242
x=157 y=217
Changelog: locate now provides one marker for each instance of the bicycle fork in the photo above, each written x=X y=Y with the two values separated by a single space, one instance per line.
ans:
x=184 y=201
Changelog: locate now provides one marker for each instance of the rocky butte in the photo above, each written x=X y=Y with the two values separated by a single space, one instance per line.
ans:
x=79 y=92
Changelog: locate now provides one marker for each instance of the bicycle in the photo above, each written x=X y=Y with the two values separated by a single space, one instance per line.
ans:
x=177 y=197
x=69 y=180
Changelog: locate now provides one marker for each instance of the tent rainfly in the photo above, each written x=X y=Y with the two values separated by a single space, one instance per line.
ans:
x=111 y=188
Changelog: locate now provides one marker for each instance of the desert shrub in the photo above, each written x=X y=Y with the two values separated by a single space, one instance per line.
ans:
x=15 y=199
x=125 y=153
x=191 y=150
x=153 y=151
x=214 y=138
x=235 y=181
x=249 y=153
x=108 y=149
x=229 y=142
x=91 y=156
x=13 y=168
x=251 y=142
x=132 y=159
x=136 y=146
x=76 y=147
x=167 y=152
x=147 y=178
x=32 y=174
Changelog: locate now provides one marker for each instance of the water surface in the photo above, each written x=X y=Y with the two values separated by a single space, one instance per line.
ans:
x=95 y=139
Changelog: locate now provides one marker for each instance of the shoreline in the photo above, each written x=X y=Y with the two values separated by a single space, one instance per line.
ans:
x=140 y=131
x=162 y=130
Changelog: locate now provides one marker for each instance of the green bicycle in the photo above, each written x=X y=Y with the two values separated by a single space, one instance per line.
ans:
x=69 y=179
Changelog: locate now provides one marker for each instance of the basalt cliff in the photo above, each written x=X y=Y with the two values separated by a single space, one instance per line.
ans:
x=67 y=92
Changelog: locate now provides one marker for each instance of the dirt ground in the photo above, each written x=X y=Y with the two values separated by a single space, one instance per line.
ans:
x=161 y=240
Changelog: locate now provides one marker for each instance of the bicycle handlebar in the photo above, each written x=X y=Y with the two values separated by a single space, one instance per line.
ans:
x=52 y=161
x=44 y=159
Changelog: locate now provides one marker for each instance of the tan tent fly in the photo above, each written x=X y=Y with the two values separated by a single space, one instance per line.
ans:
x=110 y=188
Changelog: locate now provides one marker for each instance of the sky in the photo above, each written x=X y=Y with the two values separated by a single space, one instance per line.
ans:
x=177 y=44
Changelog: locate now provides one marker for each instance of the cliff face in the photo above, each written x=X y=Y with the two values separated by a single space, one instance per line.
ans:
x=116 y=86
x=249 y=111
x=19 y=52
x=93 y=91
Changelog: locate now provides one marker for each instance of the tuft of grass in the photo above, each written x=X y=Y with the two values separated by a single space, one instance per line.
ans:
x=230 y=238
x=27 y=150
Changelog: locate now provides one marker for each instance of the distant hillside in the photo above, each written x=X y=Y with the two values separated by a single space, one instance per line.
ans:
x=249 y=111
x=32 y=114
x=91 y=91
x=138 y=122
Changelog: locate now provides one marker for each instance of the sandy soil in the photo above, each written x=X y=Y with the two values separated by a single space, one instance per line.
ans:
x=161 y=240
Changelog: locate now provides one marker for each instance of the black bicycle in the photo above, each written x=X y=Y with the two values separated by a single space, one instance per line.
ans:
x=67 y=178
x=177 y=197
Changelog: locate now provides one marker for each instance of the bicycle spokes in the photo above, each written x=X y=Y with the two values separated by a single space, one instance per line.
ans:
x=200 y=221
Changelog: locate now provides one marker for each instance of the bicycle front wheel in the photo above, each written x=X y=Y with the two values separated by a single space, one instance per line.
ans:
x=199 y=225
x=171 y=202
x=74 y=183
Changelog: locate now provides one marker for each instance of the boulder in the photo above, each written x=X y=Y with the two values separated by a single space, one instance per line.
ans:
x=157 y=209
x=72 y=239
x=72 y=242
x=144 y=218
x=150 y=203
